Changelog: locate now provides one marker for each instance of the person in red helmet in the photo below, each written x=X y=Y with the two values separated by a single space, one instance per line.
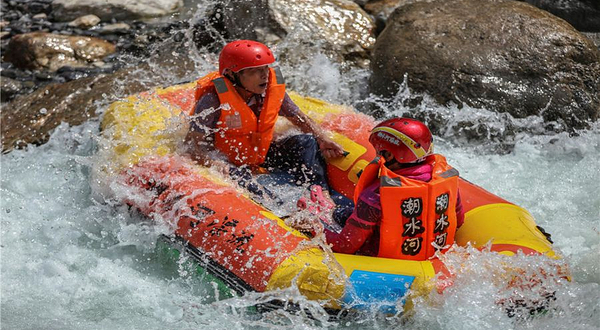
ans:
x=235 y=113
x=407 y=200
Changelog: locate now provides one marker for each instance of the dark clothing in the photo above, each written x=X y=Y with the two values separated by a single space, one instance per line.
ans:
x=292 y=160
x=297 y=160
x=298 y=156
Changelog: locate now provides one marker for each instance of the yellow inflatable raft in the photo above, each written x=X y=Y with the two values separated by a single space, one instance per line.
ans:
x=244 y=245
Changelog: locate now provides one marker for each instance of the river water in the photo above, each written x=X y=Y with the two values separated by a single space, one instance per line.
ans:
x=71 y=260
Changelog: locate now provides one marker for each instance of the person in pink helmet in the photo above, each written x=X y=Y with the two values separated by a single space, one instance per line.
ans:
x=235 y=113
x=394 y=194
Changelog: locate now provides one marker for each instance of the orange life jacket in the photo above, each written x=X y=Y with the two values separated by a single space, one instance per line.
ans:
x=241 y=136
x=418 y=218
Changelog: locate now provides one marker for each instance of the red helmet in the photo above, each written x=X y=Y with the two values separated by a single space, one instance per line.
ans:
x=243 y=54
x=409 y=140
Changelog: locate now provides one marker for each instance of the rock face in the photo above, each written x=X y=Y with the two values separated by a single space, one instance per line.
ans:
x=9 y=87
x=85 y=22
x=584 y=15
x=67 y=10
x=505 y=56
x=594 y=37
x=134 y=42
x=341 y=25
x=40 y=50
x=384 y=8
x=30 y=118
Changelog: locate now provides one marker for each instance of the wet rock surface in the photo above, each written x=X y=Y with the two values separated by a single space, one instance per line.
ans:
x=594 y=37
x=505 y=56
x=66 y=10
x=382 y=9
x=30 y=118
x=134 y=42
x=152 y=52
x=10 y=87
x=51 y=51
x=533 y=64
x=584 y=15
x=85 y=22
x=344 y=28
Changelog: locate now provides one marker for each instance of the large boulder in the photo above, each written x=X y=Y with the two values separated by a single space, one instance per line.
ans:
x=584 y=15
x=340 y=26
x=382 y=9
x=67 y=10
x=30 y=118
x=49 y=51
x=505 y=56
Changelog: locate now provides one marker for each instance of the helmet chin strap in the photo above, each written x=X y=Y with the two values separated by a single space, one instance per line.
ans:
x=391 y=162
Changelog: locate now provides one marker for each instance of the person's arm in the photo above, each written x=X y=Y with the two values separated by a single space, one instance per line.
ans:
x=197 y=147
x=200 y=137
x=328 y=147
x=359 y=227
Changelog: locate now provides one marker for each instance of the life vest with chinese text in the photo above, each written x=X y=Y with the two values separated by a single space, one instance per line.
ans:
x=418 y=218
x=243 y=137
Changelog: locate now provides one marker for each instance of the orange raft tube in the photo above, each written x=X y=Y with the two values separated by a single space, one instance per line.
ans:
x=248 y=248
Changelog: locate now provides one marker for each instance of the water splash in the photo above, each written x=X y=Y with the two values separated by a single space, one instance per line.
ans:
x=71 y=260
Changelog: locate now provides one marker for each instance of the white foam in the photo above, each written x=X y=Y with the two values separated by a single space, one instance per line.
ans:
x=70 y=261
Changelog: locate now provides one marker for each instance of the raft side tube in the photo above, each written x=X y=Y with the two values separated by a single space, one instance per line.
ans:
x=140 y=127
x=508 y=227
x=317 y=276
x=384 y=281
x=174 y=247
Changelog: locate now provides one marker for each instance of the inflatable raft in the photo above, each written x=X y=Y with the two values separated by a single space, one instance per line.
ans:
x=244 y=245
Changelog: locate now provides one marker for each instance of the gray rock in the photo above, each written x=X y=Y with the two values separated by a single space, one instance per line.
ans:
x=31 y=7
x=11 y=15
x=110 y=28
x=66 y=10
x=505 y=56
x=584 y=15
x=43 y=75
x=384 y=8
x=40 y=16
x=28 y=84
x=594 y=37
x=340 y=25
x=9 y=72
x=50 y=51
x=85 y=22
x=30 y=118
x=9 y=88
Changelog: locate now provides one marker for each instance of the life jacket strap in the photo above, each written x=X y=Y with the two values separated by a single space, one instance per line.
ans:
x=220 y=85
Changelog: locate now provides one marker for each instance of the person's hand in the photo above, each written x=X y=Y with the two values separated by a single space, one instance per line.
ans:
x=256 y=169
x=329 y=148
x=305 y=223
